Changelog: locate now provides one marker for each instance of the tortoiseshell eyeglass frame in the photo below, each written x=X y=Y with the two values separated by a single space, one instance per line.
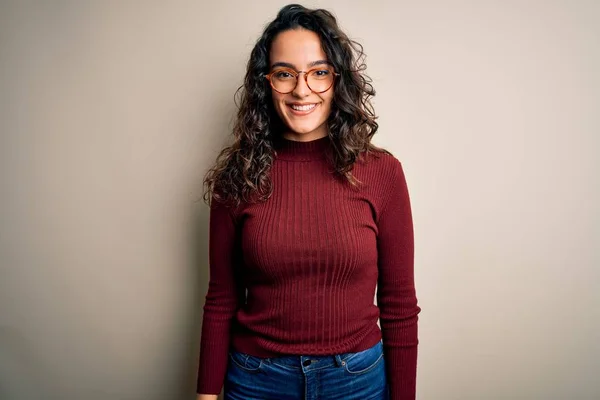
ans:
x=296 y=74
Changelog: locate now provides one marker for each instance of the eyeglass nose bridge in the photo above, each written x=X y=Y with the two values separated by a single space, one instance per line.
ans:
x=305 y=80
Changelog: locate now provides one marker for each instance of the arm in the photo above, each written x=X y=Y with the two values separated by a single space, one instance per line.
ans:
x=221 y=301
x=396 y=295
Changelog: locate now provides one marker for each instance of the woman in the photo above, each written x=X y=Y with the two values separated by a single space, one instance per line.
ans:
x=307 y=217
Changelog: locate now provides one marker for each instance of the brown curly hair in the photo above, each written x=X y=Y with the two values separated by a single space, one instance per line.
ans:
x=241 y=173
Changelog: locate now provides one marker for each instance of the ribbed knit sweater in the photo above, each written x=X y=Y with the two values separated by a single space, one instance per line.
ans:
x=297 y=274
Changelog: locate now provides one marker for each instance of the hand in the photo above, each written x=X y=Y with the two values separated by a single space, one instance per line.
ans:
x=207 y=397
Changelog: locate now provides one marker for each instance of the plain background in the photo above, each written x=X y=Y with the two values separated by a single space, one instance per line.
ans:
x=112 y=111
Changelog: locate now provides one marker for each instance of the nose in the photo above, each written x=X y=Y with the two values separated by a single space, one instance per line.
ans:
x=301 y=89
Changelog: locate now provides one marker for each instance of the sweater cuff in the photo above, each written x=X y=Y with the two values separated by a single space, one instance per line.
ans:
x=401 y=370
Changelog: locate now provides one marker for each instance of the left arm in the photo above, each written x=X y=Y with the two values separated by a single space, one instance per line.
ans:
x=396 y=295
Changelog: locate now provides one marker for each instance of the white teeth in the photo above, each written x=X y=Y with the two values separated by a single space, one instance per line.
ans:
x=304 y=107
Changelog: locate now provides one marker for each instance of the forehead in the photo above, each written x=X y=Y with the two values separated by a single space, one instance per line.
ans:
x=298 y=47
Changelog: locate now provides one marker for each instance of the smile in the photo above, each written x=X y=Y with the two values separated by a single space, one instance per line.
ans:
x=302 y=109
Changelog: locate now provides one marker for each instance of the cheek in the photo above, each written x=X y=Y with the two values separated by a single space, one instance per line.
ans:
x=278 y=102
x=327 y=97
x=328 y=100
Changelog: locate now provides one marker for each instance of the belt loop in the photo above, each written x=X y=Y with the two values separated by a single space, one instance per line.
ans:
x=338 y=360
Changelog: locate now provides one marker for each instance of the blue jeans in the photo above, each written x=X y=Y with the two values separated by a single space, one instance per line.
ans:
x=347 y=376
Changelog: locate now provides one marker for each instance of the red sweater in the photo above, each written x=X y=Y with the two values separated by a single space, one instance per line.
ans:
x=310 y=258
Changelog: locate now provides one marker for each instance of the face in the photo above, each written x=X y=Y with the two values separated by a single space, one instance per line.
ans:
x=303 y=111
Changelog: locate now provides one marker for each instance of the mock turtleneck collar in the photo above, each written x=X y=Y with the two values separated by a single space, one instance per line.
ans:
x=302 y=151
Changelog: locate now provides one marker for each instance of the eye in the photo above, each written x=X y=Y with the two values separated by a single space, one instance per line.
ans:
x=283 y=75
x=320 y=74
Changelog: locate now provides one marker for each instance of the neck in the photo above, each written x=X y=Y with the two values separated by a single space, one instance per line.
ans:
x=305 y=137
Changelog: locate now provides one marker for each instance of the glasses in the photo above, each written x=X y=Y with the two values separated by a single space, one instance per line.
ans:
x=318 y=80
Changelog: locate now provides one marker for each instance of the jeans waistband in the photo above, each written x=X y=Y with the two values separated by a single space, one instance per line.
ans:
x=317 y=362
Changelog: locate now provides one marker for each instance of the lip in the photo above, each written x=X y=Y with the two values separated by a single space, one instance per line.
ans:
x=301 y=113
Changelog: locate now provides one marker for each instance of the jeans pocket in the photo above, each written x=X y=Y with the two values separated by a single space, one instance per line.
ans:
x=246 y=362
x=364 y=361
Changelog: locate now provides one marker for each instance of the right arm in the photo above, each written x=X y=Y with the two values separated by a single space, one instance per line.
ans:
x=222 y=301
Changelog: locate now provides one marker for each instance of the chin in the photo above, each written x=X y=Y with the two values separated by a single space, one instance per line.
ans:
x=304 y=127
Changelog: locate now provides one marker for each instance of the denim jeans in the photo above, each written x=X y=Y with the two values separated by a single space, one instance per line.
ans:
x=347 y=376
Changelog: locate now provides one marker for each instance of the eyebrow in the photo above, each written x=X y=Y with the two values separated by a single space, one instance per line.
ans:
x=292 y=66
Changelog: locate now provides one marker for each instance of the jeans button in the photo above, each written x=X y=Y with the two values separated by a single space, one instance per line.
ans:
x=306 y=363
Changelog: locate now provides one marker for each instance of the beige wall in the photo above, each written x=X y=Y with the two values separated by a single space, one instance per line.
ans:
x=111 y=113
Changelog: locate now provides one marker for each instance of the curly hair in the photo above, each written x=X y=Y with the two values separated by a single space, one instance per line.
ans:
x=241 y=173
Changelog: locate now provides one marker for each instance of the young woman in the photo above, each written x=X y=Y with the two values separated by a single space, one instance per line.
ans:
x=307 y=217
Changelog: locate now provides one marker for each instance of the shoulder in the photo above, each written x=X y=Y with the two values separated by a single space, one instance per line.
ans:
x=223 y=206
x=380 y=168
x=382 y=177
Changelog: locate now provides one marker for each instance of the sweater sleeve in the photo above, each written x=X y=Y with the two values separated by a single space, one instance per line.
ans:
x=396 y=295
x=221 y=300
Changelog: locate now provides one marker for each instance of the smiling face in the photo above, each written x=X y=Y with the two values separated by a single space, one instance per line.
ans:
x=303 y=111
